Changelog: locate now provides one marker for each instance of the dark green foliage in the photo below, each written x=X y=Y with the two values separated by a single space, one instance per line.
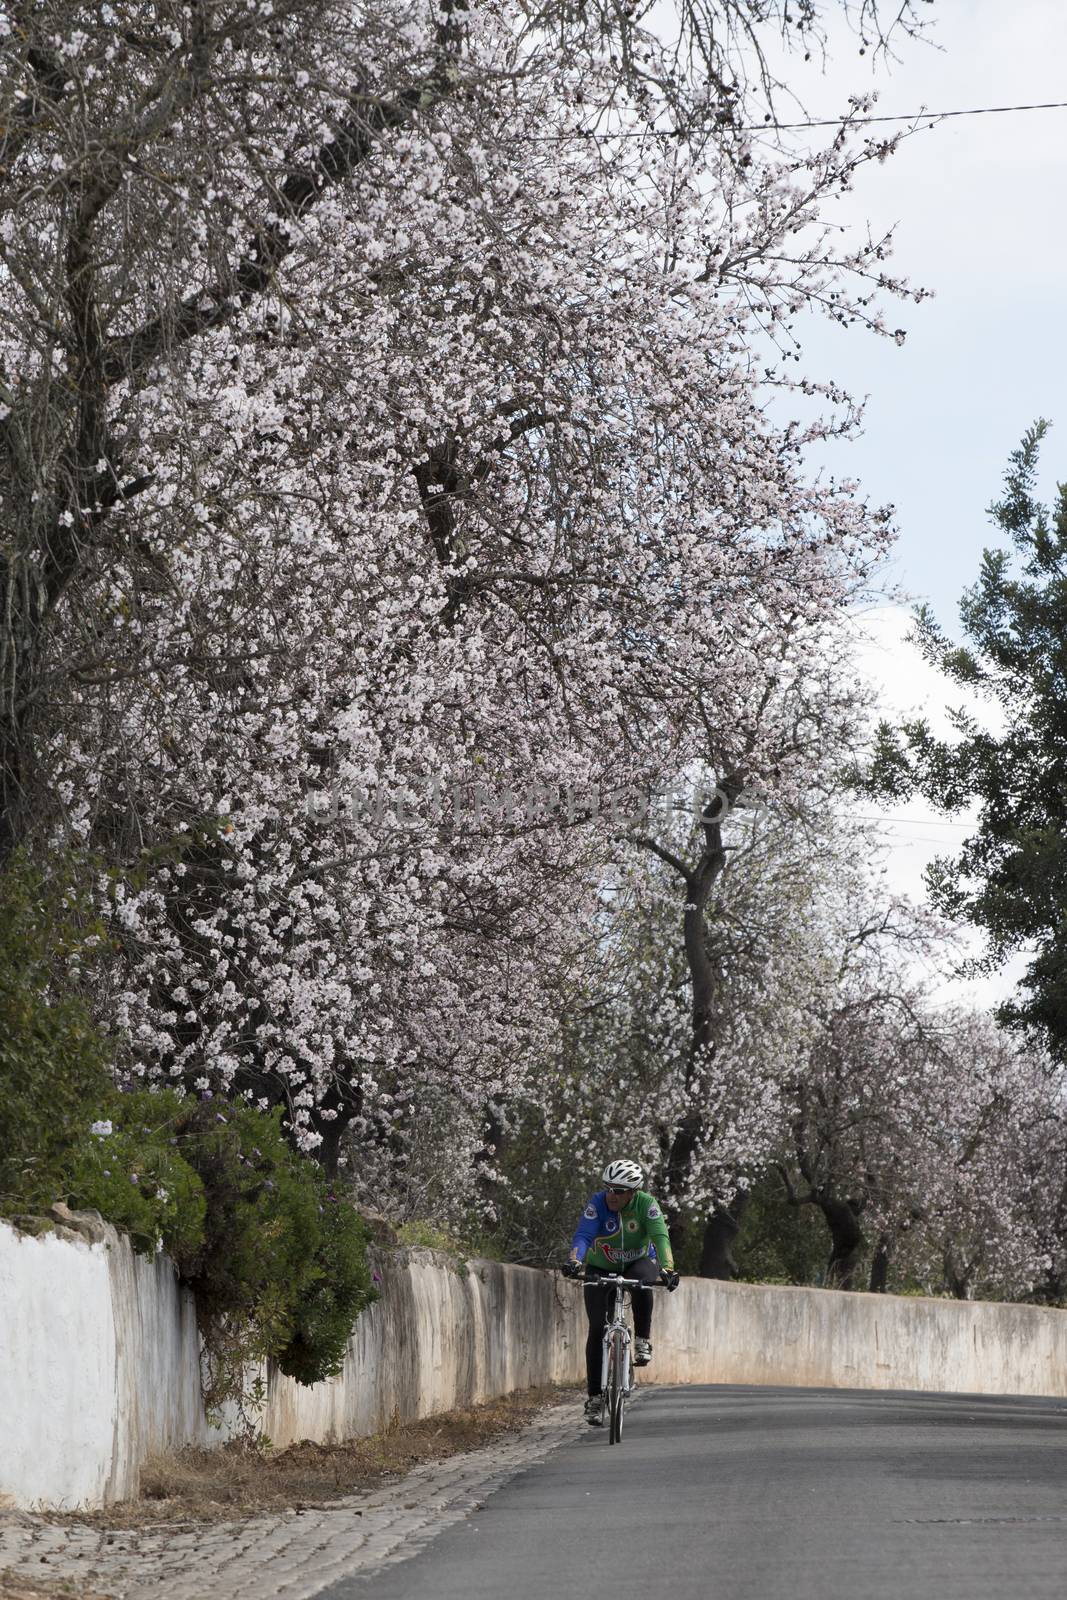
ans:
x=779 y=1242
x=136 y=1177
x=687 y=1251
x=281 y=1267
x=54 y=1063
x=277 y=1259
x=775 y=1242
x=262 y=1223
x=336 y=1287
x=1010 y=877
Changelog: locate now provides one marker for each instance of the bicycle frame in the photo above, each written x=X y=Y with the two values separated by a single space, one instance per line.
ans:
x=617 y=1371
x=617 y=1328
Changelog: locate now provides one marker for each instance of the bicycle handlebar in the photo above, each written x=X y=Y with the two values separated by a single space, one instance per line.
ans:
x=612 y=1278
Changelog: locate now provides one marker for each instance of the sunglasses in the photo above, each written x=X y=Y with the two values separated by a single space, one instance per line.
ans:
x=624 y=1192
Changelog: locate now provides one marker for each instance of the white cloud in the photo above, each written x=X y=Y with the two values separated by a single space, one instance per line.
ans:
x=913 y=831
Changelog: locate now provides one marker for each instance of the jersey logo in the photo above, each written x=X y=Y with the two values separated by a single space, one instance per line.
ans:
x=590 y=1212
x=614 y=1254
x=653 y=1210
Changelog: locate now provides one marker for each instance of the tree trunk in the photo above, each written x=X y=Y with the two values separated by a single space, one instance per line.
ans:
x=846 y=1241
x=686 y=1137
x=348 y=1104
x=697 y=887
x=957 y=1278
x=880 y=1265
x=720 y=1231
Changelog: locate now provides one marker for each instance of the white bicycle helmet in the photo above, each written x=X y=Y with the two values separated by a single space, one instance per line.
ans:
x=623 y=1175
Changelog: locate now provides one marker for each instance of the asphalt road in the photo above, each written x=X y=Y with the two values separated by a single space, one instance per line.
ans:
x=729 y=1493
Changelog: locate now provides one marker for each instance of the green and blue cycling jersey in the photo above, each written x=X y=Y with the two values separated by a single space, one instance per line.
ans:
x=611 y=1239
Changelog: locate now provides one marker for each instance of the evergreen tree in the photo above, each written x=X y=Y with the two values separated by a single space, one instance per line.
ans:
x=1010 y=876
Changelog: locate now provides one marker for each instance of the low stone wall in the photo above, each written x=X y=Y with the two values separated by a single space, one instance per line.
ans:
x=443 y=1335
x=99 y=1353
x=822 y=1338
x=99 y=1359
x=99 y=1367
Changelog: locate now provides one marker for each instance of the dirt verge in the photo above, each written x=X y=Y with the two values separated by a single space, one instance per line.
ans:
x=194 y=1486
x=15 y=1588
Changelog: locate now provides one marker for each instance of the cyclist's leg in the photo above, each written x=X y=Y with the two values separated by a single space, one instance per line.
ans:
x=648 y=1272
x=596 y=1309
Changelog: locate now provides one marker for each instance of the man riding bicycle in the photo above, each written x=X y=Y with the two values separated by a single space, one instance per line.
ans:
x=622 y=1230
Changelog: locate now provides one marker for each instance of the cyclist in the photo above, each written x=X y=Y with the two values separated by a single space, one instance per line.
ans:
x=622 y=1230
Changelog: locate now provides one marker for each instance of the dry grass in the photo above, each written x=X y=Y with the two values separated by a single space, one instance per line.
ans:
x=234 y=1482
x=18 y=1588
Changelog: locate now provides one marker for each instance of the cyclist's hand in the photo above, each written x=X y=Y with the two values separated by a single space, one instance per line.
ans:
x=669 y=1280
x=571 y=1269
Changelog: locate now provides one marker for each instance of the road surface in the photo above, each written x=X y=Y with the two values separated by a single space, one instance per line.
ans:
x=731 y=1493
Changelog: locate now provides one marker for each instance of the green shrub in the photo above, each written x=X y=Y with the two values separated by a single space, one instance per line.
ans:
x=262 y=1223
x=129 y=1167
x=54 y=1062
x=427 y=1236
x=281 y=1269
x=276 y=1260
x=338 y=1286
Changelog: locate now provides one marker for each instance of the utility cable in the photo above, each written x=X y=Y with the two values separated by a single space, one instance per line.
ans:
x=770 y=126
x=908 y=116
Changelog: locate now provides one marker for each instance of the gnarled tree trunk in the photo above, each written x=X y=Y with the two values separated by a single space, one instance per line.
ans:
x=847 y=1241
x=720 y=1232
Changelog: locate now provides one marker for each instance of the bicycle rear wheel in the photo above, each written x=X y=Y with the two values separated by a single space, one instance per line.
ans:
x=615 y=1399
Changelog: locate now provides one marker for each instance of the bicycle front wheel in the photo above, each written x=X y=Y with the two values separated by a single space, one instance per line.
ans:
x=615 y=1399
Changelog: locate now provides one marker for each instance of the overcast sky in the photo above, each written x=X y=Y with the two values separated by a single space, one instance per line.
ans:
x=978 y=204
x=980 y=214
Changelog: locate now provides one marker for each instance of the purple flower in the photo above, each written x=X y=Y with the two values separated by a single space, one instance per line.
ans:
x=375 y=1277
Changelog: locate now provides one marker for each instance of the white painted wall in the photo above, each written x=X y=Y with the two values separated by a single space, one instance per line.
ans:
x=823 y=1338
x=57 y=1372
x=437 y=1339
x=99 y=1359
x=99 y=1353
x=98 y=1368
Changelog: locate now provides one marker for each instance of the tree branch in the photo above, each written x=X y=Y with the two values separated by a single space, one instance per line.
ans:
x=209 y=307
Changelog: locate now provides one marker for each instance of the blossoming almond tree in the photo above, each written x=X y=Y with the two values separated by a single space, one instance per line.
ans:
x=625 y=1076
x=380 y=423
x=925 y=1136
x=988 y=1156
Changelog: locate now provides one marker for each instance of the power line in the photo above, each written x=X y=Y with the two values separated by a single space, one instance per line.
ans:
x=911 y=116
x=918 y=822
x=771 y=126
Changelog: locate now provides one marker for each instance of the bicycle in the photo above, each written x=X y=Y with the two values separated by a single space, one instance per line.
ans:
x=617 y=1371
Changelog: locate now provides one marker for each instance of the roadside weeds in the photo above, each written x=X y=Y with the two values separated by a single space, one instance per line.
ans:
x=14 y=1587
x=238 y=1481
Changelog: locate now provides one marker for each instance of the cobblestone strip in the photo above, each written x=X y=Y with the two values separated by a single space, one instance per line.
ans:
x=288 y=1557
